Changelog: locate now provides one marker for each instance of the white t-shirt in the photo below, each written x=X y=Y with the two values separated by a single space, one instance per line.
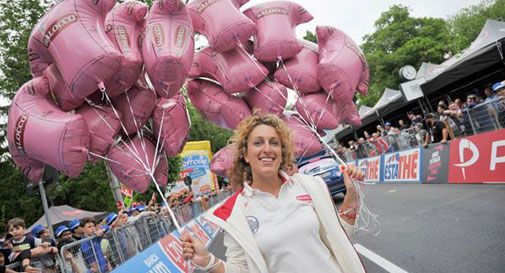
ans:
x=287 y=231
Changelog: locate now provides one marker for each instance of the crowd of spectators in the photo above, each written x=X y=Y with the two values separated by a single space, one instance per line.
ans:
x=451 y=120
x=83 y=243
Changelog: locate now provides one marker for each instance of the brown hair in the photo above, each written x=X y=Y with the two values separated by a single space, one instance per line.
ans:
x=86 y=220
x=240 y=170
x=16 y=222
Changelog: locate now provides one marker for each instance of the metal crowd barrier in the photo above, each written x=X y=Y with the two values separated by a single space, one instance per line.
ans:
x=121 y=243
x=484 y=117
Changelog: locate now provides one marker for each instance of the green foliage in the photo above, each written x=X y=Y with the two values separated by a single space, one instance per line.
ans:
x=202 y=129
x=16 y=200
x=466 y=24
x=399 y=40
x=89 y=191
x=310 y=36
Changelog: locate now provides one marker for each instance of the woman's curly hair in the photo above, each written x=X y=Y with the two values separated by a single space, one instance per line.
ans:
x=240 y=170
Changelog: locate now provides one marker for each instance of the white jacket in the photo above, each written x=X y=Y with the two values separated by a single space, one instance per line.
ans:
x=243 y=254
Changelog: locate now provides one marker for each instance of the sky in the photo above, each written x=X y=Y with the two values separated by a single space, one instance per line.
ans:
x=357 y=17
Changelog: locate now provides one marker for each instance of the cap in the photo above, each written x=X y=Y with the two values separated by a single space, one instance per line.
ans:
x=410 y=113
x=110 y=218
x=59 y=230
x=141 y=208
x=132 y=209
x=430 y=115
x=37 y=230
x=497 y=86
x=387 y=123
x=106 y=228
x=74 y=224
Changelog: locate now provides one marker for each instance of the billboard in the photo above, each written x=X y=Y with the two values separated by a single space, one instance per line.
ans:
x=478 y=159
x=435 y=160
x=404 y=166
x=371 y=168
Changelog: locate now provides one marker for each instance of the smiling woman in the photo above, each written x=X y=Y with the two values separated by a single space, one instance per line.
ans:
x=277 y=222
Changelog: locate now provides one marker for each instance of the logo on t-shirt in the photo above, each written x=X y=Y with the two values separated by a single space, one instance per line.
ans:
x=304 y=197
x=253 y=223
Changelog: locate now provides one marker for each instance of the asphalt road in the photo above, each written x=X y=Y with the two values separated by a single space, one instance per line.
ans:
x=432 y=228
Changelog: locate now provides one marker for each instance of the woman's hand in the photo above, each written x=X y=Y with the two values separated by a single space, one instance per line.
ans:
x=350 y=206
x=194 y=250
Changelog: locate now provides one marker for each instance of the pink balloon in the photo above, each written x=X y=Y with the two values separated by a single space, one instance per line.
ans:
x=123 y=26
x=168 y=46
x=235 y=70
x=305 y=142
x=103 y=125
x=221 y=22
x=342 y=66
x=69 y=23
x=300 y=72
x=132 y=162
x=317 y=109
x=59 y=91
x=211 y=101
x=346 y=112
x=171 y=124
x=276 y=21
x=269 y=97
x=32 y=169
x=161 y=171
x=38 y=130
x=223 y=160
x=136 y=106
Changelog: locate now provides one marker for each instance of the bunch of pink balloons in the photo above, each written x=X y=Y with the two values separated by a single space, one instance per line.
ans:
x=107 y=79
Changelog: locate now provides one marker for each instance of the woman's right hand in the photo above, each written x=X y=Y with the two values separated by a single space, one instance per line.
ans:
x=194 y=250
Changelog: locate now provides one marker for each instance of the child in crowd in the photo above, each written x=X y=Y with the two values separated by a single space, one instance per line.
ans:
x=20 y=242
x=92 y=250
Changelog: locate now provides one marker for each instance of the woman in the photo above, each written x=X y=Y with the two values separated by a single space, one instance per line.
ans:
x=275 y=222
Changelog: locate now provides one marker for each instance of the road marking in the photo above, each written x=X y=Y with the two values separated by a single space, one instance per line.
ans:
x=372 y=256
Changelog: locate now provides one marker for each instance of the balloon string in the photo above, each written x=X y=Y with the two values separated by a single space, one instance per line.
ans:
x=170 y=211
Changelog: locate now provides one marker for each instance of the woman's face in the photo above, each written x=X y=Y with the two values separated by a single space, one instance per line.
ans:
x=264 y=151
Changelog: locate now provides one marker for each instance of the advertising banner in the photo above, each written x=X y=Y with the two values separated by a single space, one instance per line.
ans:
x=197 y=231
x=404 y=166
x=478 y=159
x=371 y=167
x=196 y=157
x=210 y=228
x=435 y=160
x=164 y=256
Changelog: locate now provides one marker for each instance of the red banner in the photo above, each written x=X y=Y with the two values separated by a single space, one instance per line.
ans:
x=478 y=159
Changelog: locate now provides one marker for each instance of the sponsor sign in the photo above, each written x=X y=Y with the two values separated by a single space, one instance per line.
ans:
x=197 y=231
x=166 y=255
x=371 y=168
x=478 y=159
x=196 y=157
x=210 y=228
x=404 y=166
x=435 y=160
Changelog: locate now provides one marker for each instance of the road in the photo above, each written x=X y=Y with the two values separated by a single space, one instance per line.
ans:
x=431 y=228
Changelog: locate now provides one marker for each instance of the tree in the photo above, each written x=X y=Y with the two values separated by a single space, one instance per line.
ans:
x=399 y=40
x=310 y=36
x=467 y=23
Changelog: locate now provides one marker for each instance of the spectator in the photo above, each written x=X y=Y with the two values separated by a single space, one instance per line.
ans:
x=42 y=232
x=403 y=125
x=413 y=119
x=361 y=149
x=25 y=247
x=388 y=128
x=422 y=136
x=476 y=118
x=403 y=139
x=444 y=116
x=380 y=145
x=381 y=131
x=491 y=93
x=76 y=229
x=4 y=254
x=92 y=250
x=63 y=232
x=438 y=129
x=73 y=262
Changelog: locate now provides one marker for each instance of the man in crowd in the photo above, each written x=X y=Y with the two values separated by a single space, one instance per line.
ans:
x=438 y=129
x=422 y=136
x=413 y=119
